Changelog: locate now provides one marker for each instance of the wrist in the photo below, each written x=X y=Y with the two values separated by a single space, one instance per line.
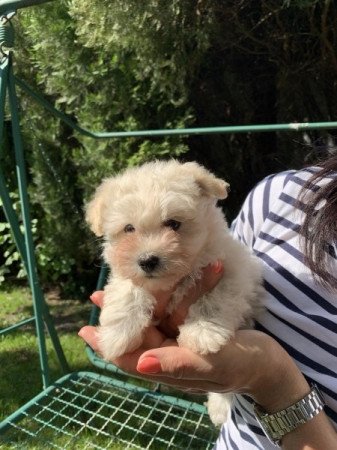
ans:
x=277 y=382
x=291 y=419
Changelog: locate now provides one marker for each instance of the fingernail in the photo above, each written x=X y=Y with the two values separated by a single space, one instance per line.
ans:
x=217 y=267
x=149 y=364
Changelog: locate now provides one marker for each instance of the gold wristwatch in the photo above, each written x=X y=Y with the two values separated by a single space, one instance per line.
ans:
x=276 y=425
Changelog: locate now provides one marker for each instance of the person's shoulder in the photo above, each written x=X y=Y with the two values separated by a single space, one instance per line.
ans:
x=269 y=188
x=257 y=206
x=309 y=178
x=280 y=179
x=294 y=179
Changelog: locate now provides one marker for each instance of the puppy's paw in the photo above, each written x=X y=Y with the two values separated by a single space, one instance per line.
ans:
x=203 y=337
x=219 y=406
x=114 y=344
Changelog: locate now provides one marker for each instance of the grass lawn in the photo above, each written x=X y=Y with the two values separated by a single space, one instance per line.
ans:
x=20 y=377
x=20 y=380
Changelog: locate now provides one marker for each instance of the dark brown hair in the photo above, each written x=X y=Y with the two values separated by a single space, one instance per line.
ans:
x=319 y=228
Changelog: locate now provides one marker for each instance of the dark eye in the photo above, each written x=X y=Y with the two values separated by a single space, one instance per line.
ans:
x=129 y=228
x=174 y=224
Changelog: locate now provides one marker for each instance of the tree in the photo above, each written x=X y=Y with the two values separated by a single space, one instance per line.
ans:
x=119 y=64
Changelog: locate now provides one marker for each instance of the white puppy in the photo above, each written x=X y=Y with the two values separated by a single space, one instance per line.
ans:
x=161 y=226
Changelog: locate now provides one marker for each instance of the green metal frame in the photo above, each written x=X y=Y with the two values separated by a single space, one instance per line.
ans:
x=106 y=412
x=24 y=241
x=87 y=402
x=13 y=5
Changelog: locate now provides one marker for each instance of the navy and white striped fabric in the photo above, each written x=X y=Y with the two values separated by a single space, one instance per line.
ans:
x=300 y=315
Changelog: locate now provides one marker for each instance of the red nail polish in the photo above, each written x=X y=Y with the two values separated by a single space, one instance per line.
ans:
x=217 y=267
x=149 y=364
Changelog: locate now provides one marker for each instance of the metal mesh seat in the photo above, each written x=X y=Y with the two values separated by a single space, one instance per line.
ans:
x=85 y=410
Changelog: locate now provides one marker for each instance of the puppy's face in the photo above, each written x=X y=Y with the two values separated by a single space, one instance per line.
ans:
x=154 y=220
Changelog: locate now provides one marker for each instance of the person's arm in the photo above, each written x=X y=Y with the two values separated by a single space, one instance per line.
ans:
x=252 y=363
x=317 y=434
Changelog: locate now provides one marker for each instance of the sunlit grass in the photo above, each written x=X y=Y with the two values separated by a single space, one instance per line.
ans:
x=20 y=375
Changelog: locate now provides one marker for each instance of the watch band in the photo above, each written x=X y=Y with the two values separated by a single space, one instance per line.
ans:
x=276 y=425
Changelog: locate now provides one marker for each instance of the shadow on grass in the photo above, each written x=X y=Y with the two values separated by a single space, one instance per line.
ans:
x=21 y=379
x=67 y=316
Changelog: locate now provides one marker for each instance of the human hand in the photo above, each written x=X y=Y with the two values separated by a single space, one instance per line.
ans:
x=251 y=360
x=167 y=330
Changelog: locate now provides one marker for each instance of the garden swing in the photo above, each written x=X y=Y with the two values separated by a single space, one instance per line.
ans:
x=87 y=409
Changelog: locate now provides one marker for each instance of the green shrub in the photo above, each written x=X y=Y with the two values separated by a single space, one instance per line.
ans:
x=125 y=65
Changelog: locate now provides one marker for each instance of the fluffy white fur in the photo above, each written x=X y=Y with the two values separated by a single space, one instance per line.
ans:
x=165 y=213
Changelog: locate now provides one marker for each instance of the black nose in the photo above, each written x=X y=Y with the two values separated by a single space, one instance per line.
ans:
x=148 y=263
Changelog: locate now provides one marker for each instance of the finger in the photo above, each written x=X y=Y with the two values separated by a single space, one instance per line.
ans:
x=178 y=368
x=195 y=386
x=192 y=391
x=175 y=362
x=129 y=361
x=97 y=298
x=211 y=275
x=163 y=296
x=176 y=375
x=162 y=300
x=129 y=364
x=153 y=338
x=89 y=335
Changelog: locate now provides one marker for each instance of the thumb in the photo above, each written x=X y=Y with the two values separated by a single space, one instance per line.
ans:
x=174 y=362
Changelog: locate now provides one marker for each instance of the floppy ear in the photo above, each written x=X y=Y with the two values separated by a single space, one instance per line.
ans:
x=209 y=184
x=96 y=206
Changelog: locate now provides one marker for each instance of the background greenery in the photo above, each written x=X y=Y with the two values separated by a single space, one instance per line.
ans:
x=121 y=64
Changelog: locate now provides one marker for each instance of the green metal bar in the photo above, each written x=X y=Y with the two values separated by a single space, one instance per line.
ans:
x=13 y=5
x=16 y=325
x=50 y=391
x=103 y=275
x=12 y=219
x=3 y=90
x=20 y=412
x=40 y=308
x=101 y=363
x=31 y=263
x=172 y=132
x=54 y=338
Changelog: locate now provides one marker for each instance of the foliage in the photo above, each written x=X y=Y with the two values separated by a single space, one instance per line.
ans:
x=11 y=264
x=10 y=261
x=124 y=65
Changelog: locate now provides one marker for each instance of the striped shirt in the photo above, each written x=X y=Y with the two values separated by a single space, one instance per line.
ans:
x=300 y=315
